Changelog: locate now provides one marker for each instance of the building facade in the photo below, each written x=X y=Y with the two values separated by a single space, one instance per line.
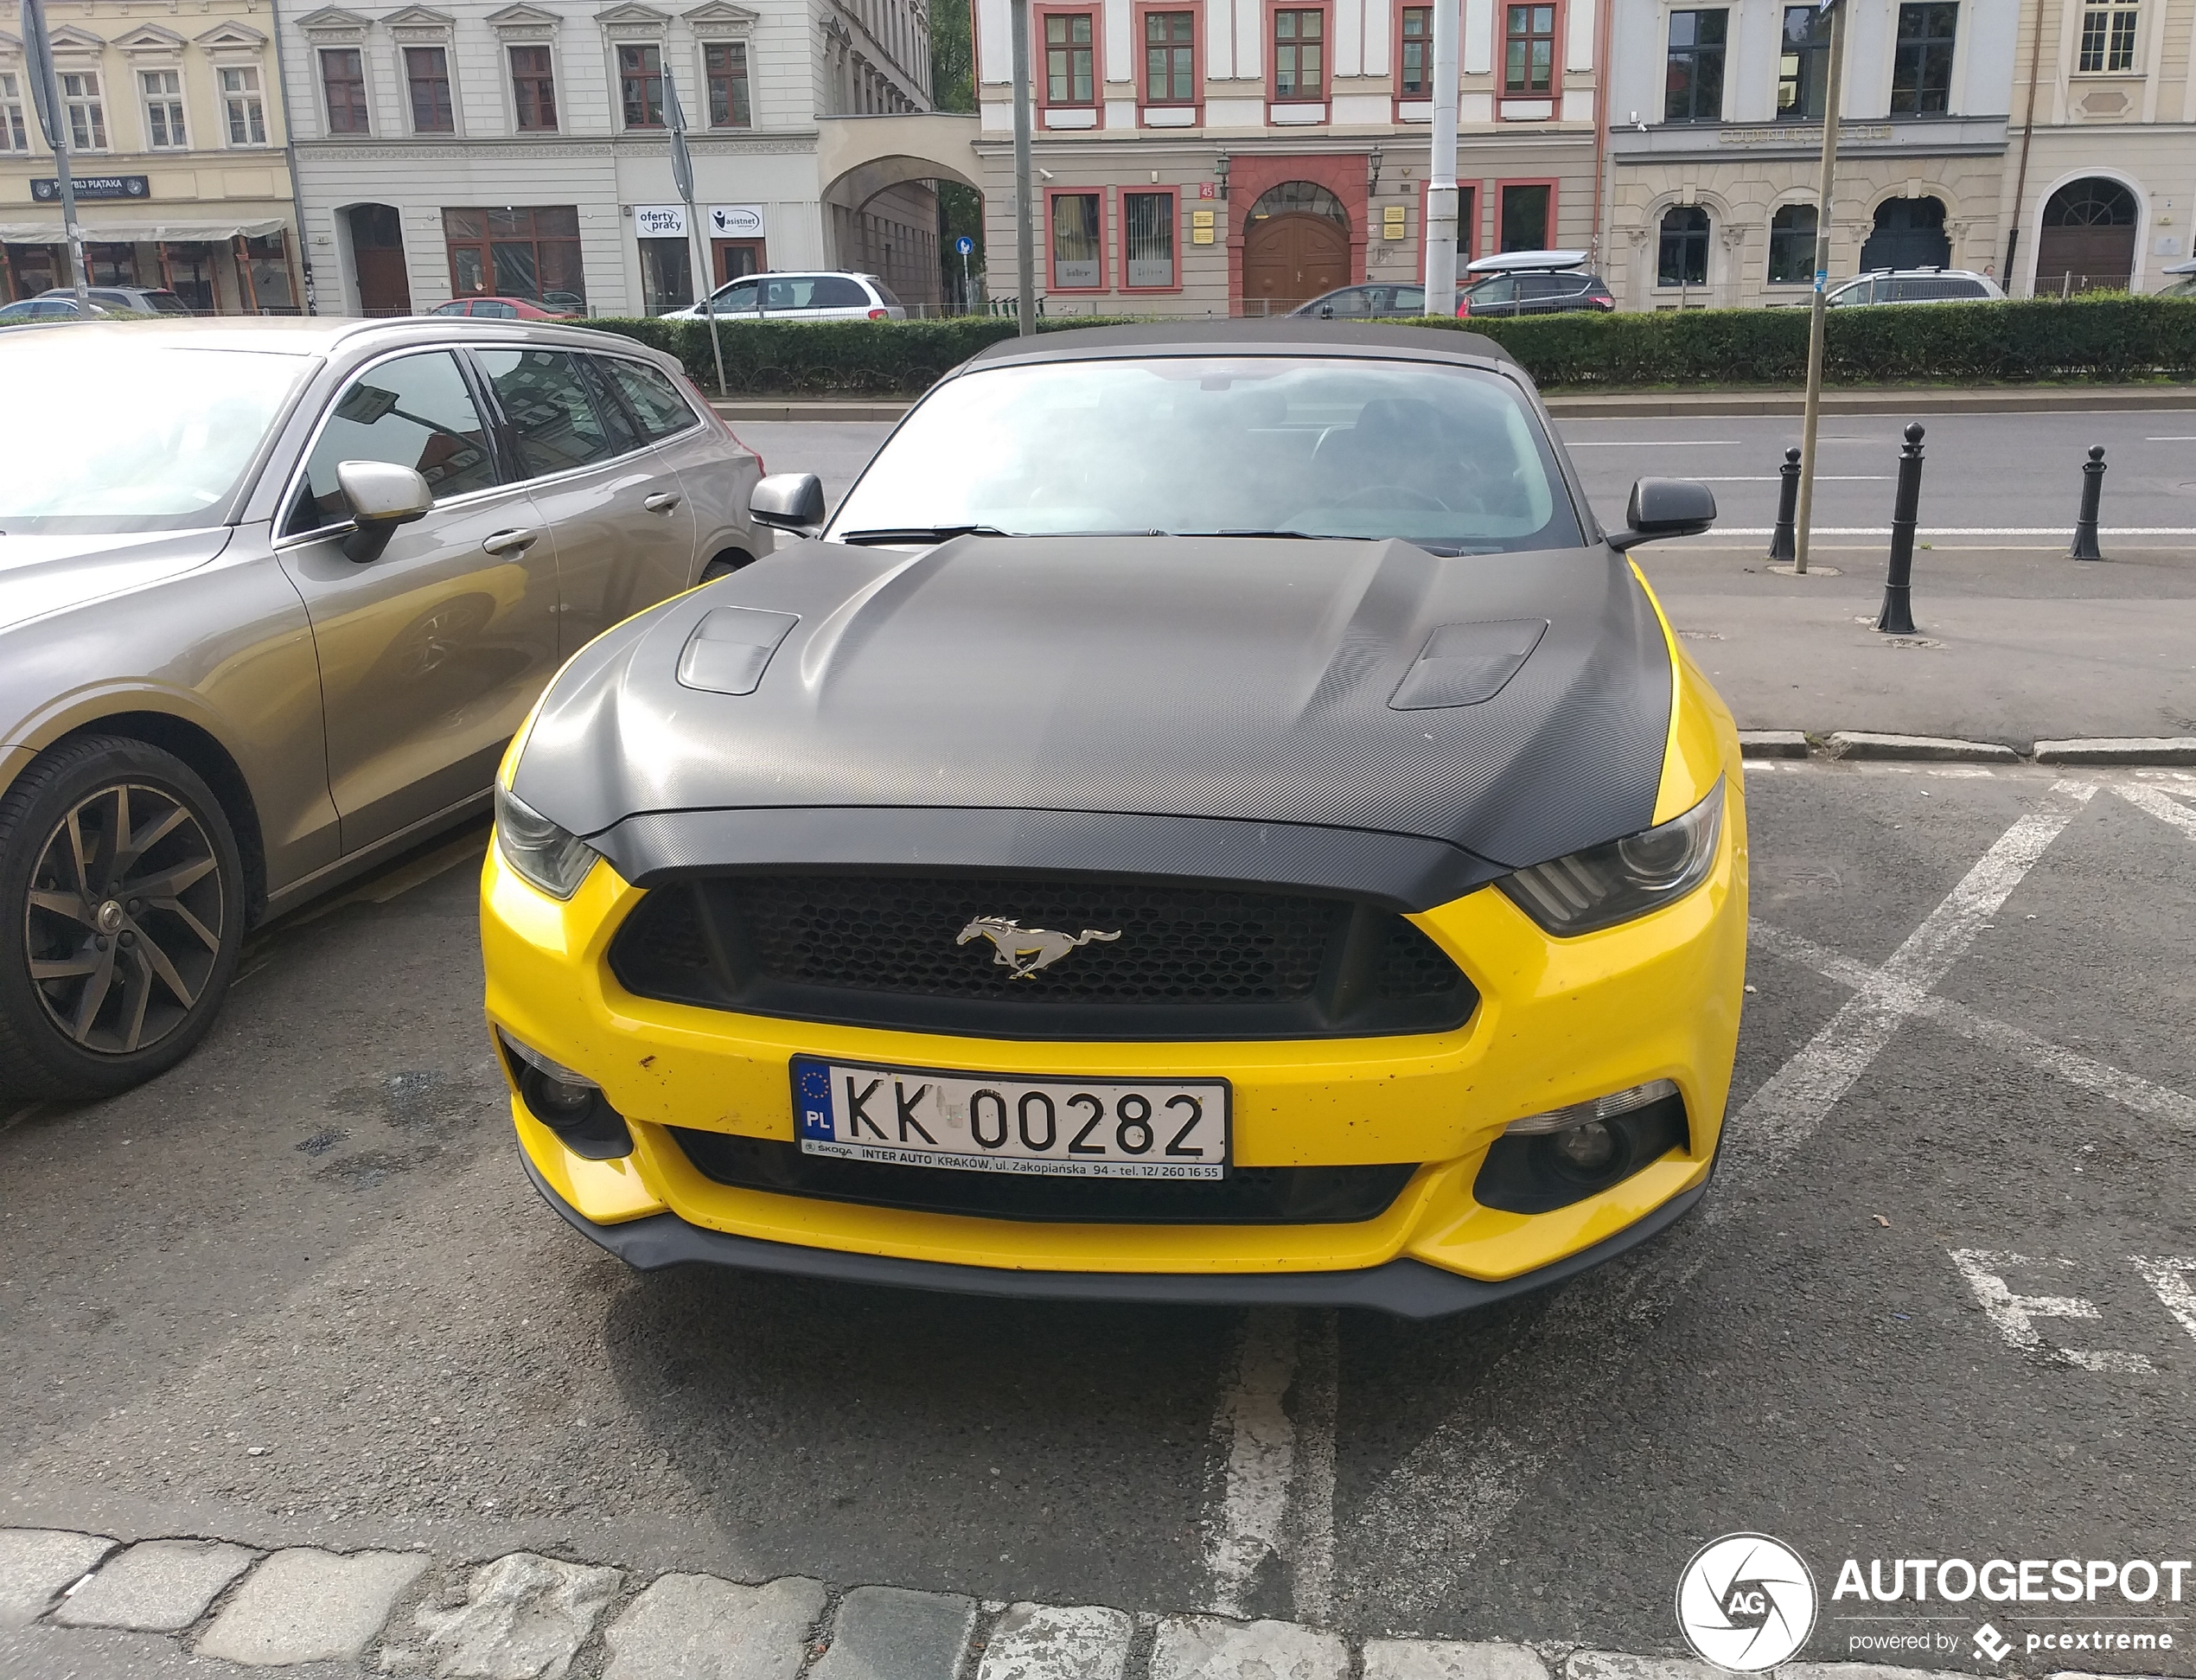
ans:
x=1242 y=156
x=1716 y=132
x=176 y=148
x=522 y=149
x=2101 y=166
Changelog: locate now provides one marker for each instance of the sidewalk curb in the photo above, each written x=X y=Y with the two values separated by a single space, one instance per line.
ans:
x=1868 y=746
x=1580 y=406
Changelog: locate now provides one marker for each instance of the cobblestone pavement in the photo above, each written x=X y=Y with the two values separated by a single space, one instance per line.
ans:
x=526 y=1617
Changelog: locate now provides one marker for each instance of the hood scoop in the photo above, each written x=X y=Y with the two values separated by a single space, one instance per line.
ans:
x=1467 y=664
x=730 y=649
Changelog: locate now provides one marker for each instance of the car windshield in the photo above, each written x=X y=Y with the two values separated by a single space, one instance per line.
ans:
x=168 y=458
x=1448 y=456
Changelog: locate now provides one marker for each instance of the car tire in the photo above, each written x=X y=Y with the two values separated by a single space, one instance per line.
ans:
x=724 y=565
x=159 y=958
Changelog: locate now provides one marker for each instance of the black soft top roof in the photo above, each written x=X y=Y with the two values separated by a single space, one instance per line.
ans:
x=1194 y=336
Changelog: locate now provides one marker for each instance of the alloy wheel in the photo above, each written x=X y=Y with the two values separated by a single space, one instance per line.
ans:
x=125 y=919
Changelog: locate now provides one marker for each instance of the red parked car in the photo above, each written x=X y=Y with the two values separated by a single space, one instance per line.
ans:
x=503 y=309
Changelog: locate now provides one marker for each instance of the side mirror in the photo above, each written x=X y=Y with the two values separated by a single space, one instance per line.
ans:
x=1326 y=311
x=789 y=500
x=380 y=495
x=1665 y=507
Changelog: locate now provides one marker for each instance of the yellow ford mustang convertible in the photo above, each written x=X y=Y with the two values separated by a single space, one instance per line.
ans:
x=1213 y=817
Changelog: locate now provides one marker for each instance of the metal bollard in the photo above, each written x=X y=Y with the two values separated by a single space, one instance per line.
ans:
x=1897 y=617
x=2086 y=546
x=1781 y=544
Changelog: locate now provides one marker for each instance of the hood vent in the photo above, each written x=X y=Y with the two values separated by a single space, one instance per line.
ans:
x=729 y=648
x=1467 y=664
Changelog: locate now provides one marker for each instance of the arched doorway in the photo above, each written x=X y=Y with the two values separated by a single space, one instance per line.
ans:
x=377 y=260
x=900 y=216
x=1909 y=234
x=1297 y=246
x=2088 y=237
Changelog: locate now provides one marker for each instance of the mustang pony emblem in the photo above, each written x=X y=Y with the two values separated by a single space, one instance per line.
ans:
x=1025 y=950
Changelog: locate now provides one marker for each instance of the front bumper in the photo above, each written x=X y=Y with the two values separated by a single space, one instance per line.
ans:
x=1406 y=1289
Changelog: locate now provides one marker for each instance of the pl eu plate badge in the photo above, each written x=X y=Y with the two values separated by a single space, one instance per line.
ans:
x=812 y=1085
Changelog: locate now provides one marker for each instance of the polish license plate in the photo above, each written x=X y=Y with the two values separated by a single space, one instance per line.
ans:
x=981 y=1122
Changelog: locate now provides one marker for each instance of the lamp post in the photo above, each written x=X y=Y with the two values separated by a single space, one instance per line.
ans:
x=53 y=116
x=1831 y=95
x=1441 y=176
x=1025 y=210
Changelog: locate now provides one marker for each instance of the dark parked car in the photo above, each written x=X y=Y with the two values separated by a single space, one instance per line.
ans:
x=1385 y=300
x=1533 y=283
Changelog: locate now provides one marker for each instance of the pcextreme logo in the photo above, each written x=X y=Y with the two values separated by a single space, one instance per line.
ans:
x=1745 y=1602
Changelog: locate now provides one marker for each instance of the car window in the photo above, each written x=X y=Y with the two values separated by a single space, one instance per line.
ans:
x=551 y=409
x=1495 y=289
x=789 y=291
x=836 y=291
x=457 y=306
x=500 y=312
x=655 y=402
x=166 y=302
x=1348 y=304
x=1431 y=453
x=624 y=433
x=414 y=411
x=109 y=298
x=886 y=296
x=45 y=309
x=740 y=294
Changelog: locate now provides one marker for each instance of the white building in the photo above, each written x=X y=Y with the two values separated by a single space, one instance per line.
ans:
x=519 y=150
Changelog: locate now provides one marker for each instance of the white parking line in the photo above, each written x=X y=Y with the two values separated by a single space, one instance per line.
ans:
x=1254 y=1428
x=2015 y=1315
x=2160 y=805
x=2168 y=1278
x=1452 y=1493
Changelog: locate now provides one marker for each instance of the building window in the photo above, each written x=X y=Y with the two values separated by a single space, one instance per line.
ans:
x=244 y=106
x=87 y=110
x=724 y=67
x=1299 y=60
x=1804 y=66
x=1693 y=85
x=164 y=108
x=2108 y=38
x=1683 y=256
x=1791 y=246
x=1526 y=213
x=1169 y=58
x=1921 y=63
x=529 y=253
x=15 y=130
x=1068 y=62
x=640 y=78
x=1078 y=251
x=533 y=89
x=343 y=79
x=1528 y=50
x=1414 y=63
x=1147 y=237
x=426 y=72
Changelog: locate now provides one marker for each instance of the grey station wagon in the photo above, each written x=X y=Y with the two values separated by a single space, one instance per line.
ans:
x=273 y=596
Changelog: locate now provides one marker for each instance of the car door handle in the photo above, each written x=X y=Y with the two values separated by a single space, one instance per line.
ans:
x=661 y=503
x=502 y=542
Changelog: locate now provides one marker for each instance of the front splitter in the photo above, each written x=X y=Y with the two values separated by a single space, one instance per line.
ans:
x=1406 y=1288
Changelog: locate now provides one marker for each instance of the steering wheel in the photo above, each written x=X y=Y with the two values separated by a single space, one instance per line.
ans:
x=1390 y=496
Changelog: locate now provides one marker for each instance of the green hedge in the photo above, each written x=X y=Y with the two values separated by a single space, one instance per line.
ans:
x=2114 y=336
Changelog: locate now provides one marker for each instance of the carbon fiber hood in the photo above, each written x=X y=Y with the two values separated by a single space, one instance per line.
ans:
x=1245 y=680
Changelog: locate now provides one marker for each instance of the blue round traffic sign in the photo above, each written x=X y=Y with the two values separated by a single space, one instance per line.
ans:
x=964 y=244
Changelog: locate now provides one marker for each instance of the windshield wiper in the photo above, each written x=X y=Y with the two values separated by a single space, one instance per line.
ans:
x=1307 y=536
x=889 y=533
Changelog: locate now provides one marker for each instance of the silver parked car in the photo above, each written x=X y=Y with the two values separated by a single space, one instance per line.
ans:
x=273 y=596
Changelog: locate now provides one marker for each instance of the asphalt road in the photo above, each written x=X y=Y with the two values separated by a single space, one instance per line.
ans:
x=2017 y=642
x=298 y=1291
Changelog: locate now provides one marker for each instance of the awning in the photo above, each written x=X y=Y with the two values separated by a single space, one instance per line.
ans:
x=158 y=233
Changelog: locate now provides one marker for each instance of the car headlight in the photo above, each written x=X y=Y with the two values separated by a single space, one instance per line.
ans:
x=1611 y=882
x=548 y=856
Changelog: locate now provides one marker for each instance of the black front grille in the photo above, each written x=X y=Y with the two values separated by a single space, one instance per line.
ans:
x=1152 y=960
x=1247 y=1196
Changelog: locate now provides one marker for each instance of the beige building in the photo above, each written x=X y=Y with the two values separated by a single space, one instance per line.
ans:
x=176 y=147
x=2100 y=169
x=1242 y=157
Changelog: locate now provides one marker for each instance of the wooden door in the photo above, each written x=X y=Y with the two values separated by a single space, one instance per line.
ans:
x=2078 y=257
x=377 y=256
x=1291 y=259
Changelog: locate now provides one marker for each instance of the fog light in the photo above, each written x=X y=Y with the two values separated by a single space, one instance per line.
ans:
x=1602 y=1108
x=1588 y=1148
x=556 y=1101
x=570 y=1104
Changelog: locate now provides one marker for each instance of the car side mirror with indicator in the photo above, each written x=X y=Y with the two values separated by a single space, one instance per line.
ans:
x=381 y=497
x=788 y=501
x=1665 y=507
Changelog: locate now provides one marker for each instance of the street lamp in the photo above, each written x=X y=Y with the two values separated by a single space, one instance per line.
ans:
x=1832 y=95
x=1372 y=171
x=1220 y=169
